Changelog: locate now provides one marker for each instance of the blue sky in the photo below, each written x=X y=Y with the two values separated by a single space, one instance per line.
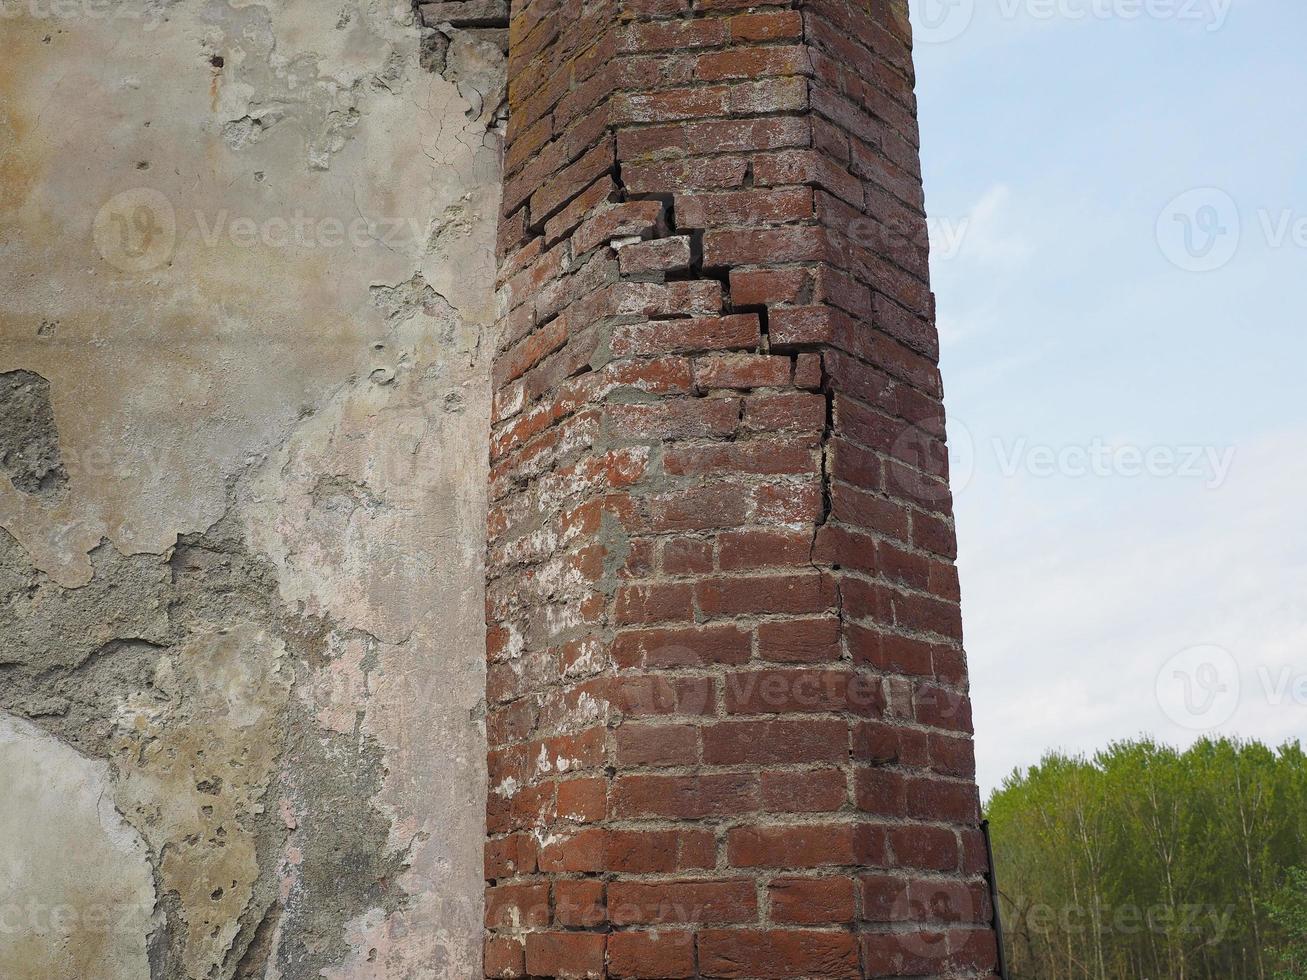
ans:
x=1118 y=199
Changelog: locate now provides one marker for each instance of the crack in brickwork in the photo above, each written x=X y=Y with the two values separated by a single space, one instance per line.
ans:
x=728 y=723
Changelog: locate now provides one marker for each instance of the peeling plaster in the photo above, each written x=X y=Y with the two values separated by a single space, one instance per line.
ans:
x=243 y=399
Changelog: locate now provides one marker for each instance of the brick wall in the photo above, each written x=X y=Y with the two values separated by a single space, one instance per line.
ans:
x=729 y=730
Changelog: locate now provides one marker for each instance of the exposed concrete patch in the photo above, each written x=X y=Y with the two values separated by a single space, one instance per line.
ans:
x=54 y=627
x=59 y=917
x=79 y=704
x=29 y=441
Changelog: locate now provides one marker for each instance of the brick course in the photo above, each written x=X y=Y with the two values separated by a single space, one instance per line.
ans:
x=729 y=727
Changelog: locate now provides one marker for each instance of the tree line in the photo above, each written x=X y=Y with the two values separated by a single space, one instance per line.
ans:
x=1145 y=862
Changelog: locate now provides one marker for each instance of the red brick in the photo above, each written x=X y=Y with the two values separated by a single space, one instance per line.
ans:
x=679 y=902
x=567 y=184
x=933 y=798
x=941 y=707
x=722 y=135
x=657 y=745
x=529 y=352
x=953 y=756
x=509 y=856
x=886 y=743
x=641 y=852
x=776 y=954
x=768 y=287
x=732 y=332
x=798 y=166
x=798 y=593
x=653 y=603
x=723 y=248
x=579 y=903
x=753 y=207
x=688 y=482
x=505 y=958
x=811 y=901
x=716 y=5
x=687 y=556
x=974 y=859
x=629 y=298
x=800 y=641
x=881 y=792
x=741 y=371
x=641 y=696
x=871 y=844
x=870 y=511
x=797 y=690
x=681 y=647
x=934 y=534
x=570 y=955
x=662 y=955
x=662 y=36
x=949 y=901
x=792 y=455
x=582 y=800
x=886 y=898
x=659 y=255
x=819 y=791
x=685 y=797
x=629 y=851
x=660 y=376
x=517 y=906
x=790 y=847
x=753 y=62
x=808 y=371
x=778 y=412
x=891 y=652
x=701 y=507
x=632 y=218
x=744 y=742
x=746 y=550
x=769 y=26
x=704 y=173
x=975 y=949
x=776 y=95
x=905 y=954
x=593 y=198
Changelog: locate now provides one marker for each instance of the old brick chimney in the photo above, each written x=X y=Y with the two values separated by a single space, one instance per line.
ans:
x=729 y=727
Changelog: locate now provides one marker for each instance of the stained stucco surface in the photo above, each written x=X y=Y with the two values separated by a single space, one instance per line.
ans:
x=247 y=278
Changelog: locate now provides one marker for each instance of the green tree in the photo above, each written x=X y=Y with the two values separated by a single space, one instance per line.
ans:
x=1145 y=861
x=1288 y=910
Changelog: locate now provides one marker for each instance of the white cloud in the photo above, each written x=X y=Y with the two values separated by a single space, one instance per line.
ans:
x=987 y=237
x=971 y=255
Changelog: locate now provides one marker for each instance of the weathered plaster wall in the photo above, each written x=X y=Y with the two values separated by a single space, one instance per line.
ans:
x=247 y=254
